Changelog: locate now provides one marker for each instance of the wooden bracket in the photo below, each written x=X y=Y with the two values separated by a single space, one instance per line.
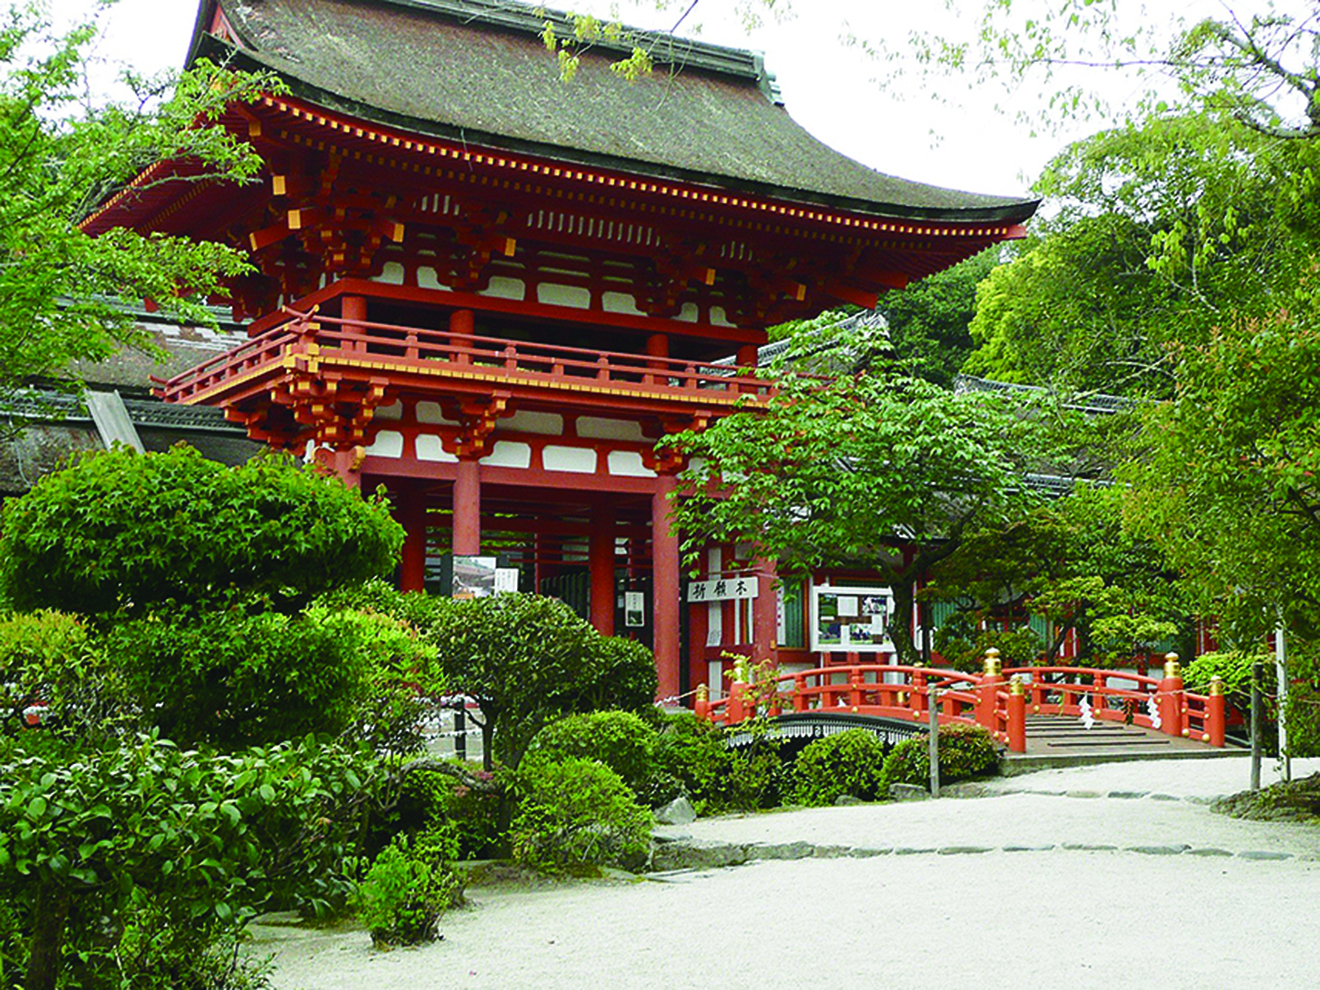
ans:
x=479 y=417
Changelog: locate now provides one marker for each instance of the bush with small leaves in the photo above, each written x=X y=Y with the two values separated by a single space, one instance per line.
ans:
x=690 y=758
x=620 y=740
x=52 y=673
x=755 y=774
x=238 y=677
x=575 y=814
x=849 y=762
x=89 y=839
x=625 y=677
x=965 y=751
x=411 y=884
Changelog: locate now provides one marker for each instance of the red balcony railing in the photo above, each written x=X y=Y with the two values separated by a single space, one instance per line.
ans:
x=331 y=341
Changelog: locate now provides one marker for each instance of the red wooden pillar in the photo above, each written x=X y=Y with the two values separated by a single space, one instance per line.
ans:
x=601 y=559
x=462 y=325
x=412 y=516
x=987 y=692
x=354 y=311
x=665 y=588
x=657 y=346
x=1017 y=716
x=467 y=509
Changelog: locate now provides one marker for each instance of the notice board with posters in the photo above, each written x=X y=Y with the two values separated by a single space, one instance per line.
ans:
x=851 y=619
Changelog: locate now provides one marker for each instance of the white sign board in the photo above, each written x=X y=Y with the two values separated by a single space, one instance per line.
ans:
x=506 y=580
x=729 y=589
x=634 y=609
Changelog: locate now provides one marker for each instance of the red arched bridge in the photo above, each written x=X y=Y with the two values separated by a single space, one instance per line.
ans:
x=1008 y=702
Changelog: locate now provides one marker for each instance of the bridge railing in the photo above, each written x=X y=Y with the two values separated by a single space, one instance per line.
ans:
x=880 y=690
x=1118 y=696
x=997 y=699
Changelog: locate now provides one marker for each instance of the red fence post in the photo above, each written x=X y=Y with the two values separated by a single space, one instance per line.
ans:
x=799 y=693
x=920 y=697
x=855 y=688
x=701 y=706
x=1017 y=716
x=1214 y=712
x=1172 y=720
x=986 y=693
x=734 y=710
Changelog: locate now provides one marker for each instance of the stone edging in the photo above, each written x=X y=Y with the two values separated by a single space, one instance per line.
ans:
x=680 y=854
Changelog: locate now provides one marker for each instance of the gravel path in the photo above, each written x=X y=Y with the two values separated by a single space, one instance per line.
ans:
x=1144 y=913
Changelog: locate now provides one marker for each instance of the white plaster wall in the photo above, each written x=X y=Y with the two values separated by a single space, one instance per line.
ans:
x=628 y=464
x=502 y=287
x=542 y=423
x=429 y=448
x=598 y=428
x=386 y=443
x=575 y=296
x=576 y=460
x=509 y=453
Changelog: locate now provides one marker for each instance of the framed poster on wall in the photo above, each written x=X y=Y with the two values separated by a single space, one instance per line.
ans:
x=851 y=619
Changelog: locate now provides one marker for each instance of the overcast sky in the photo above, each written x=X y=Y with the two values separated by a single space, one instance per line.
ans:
x=968 y=140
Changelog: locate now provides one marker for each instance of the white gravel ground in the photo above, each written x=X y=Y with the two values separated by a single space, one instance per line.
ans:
x=1054 y=917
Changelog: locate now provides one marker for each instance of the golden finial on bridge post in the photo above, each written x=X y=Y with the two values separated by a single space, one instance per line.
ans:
x=993 y=666
x=1216 y=686
x=703 y=692
x=1171 y=666
x=1016 y=687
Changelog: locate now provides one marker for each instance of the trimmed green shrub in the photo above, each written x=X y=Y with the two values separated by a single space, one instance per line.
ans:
x=965 y=751
x=233 y=678
x=577 y=813
x=620 y=740
x=119 y=530
x=625 y=677
x=408 y=888
x=849 y=762
x=52 y=672
x=690 y=758
x=525 y=659
x=754 y=776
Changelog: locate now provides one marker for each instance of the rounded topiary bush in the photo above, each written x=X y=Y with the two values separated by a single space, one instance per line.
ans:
x=577 y=813
x=849 y=762
x=965 y=751
x=690 y=758
x=620 y=740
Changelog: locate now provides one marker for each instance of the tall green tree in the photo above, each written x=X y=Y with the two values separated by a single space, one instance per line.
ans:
x=876 y=470
x=929 y=321
x=1158 y=233
x=62 y=292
